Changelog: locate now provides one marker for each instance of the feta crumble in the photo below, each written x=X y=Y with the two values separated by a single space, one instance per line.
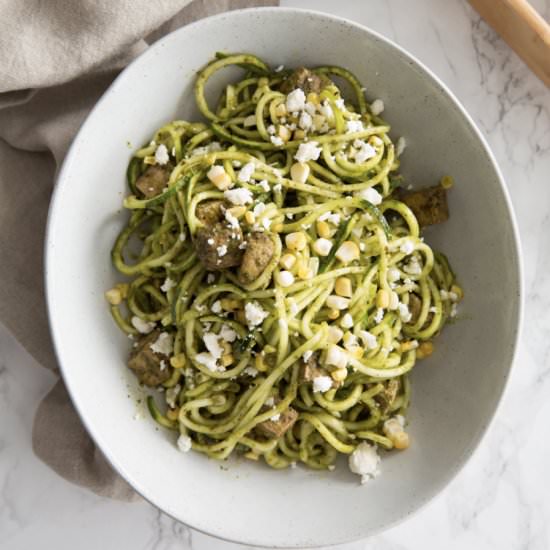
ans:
x=254 y=314
x=143 y=327
x=251 y=371
x=371 y=195
x=305 y=121
x=353 y=126
x=171 y=395
x=227 y=334
x=307 y=355
x=164 y=344
x=239 y=196
x=212 y=343
x=184 y=443
x=366 y=152
x=208 y=360
x=407 y=247
x=369 y=339
x=377 y=107
x=364 y=461
x=322 y=384
x=264 y=185
x=246 y=172
x=167 y=285
x=161 y=155
x=379 y=315
x=277 y=141
x=296 y=100
x=221 y=250
x=404 y=312
x=308 y=151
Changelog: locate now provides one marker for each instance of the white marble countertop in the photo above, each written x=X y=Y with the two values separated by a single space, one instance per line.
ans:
x=501 y=499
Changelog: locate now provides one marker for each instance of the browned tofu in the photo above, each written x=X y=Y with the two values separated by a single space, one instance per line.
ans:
x=210 y=212
x=415 y=306
x=218 y=246
x=276 y=429
x=152 y=182
x=258 y=253
x=150 y=368
x=429 y=205
x=387 y=397
x=305 y=79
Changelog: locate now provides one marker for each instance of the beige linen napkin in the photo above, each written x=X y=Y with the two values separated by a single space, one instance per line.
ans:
x=56 y=59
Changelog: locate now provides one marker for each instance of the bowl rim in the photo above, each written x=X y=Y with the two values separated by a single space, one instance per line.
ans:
x=54 y=213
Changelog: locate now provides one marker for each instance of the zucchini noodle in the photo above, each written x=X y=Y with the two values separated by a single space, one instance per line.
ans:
x=278 y=288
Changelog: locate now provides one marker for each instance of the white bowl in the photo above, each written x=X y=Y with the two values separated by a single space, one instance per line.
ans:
x=455 y=392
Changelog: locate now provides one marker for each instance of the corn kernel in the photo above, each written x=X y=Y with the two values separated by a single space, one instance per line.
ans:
x=219 y=177
x=313 y=266
x=347 y=321
x=408 y=345
x=277 y=227
x=304 y=272
x=323 y=229
x=339 y=375
x=285 y=278
x=230 y=304
x=425 y=349
x=333 y=314
x=240 y=317
x=312 y=97
x=394 y=300
x=400 y=440
x=447 y=182
x=226 y=346
x=251 y=455
x=280 y=110
x=337 y=302
x=227 y=359
x=322 y=246
x=356 y=351
x=259 y=363
x=318 y=122
x=283 y=132
x=123 y=289
x=237 y=211
x=382 y=299
x=287 y=261
x=249 y=217
x=334 y=334
x=178 y=361
x=299 y=134
x=296 y=241
x=459 y=293
x=173 y=414
x=343 y=287
x=113 y=296
x=347 y=252
x=299 y=172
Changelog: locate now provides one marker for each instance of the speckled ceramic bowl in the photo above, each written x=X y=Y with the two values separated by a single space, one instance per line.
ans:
x=455 y=392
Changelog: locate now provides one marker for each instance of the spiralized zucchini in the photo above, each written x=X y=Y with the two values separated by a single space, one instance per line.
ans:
x=306 y=354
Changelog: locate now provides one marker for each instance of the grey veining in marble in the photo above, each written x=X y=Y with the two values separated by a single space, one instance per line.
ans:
x=500 y=500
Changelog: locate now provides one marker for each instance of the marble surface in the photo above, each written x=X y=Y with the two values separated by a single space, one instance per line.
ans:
x=500 y=500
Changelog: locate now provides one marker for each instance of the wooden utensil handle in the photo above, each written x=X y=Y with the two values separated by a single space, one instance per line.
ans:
x=525 y=31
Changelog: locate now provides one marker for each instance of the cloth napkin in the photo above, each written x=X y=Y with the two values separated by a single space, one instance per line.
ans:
x=56 y=59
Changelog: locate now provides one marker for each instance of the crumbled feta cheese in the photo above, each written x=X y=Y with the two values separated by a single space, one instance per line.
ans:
x=413 y=267
x=164 y=344
x=369 y=339
x=171 y=395
x=279 y=68
x=366 y=152
x=285 y=278
x=228 y=334
x=216 y=307
x=444 y=294
x=371 y=195
x=379 y=315
x=404 y=312
x=305 y=121
x=259 y=209
x=250 y=120
x=212 y=343
x=400 y=146
x=210 y=278
x=296 y=100
x=210 y=241
x=307 y=355
x=210 y=148
x=221 y=250
x=264 y=185
x=246 y=172
x=308 y=151
x=277 y=188
x=336 y=356
x=143 y=327
x=364 y=461
x=161 y=155
x=407 y=247
x=184 y=443
x=232 y=220
x=340 y=104
x=270 y=129
x=239 y=196
x=275 y=417
x=251 y=371
x=377 y=107
x=168 y=284
x=270 y=401
x=393 y=274
x=182 y=237
x=326 y=110
x=354 y=126
x=254 y=314
x=277 y=141
x=453 y=296
x=208 y=360
x=322 y=384
x=454 y=310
